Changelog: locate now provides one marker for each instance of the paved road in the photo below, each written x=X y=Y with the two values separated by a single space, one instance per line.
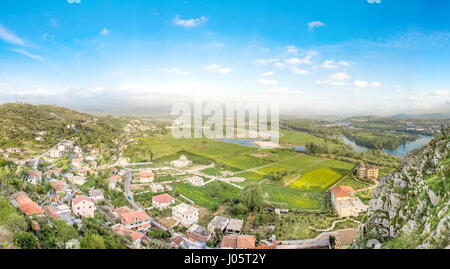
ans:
x=128 y=193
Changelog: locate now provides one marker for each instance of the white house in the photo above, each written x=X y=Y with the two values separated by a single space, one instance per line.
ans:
x=196 y=181
x=77 y=163
x=78 y=180
x=162 y=201
x=156 y=187
x=182 y=162
x=146 y=176
x=34 y=177
x=185 y=214
x=55 y=153
x=96 y=195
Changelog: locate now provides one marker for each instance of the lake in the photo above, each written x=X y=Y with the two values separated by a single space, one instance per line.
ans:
x=242 y=142
x=400 y=151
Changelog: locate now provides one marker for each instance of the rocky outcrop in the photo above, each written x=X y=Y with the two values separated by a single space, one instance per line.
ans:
x=409 y=209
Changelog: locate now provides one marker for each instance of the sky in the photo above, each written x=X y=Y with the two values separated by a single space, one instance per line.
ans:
x=321 y=57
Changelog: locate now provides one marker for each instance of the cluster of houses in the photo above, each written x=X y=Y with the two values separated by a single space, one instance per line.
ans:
x=197 y=236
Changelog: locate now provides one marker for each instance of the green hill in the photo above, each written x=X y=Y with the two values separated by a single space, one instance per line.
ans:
x=21 y=124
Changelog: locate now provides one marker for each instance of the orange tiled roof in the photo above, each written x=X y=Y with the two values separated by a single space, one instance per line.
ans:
x=51 y=212
x=238 y=241
x=31 y=208
x=133 y=216
x=58 y=185
x=342 y=191
x=163 y=198
x=80 y=198
x=123 y=230
x=146 y=174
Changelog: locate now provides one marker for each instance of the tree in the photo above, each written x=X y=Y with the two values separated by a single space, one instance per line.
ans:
x=252 y=197
x=92 y=241
x=64 y=232
x=25 y=240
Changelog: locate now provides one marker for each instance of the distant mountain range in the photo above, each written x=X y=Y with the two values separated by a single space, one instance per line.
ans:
x=436 y=116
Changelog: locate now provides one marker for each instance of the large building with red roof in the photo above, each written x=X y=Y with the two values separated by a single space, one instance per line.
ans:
x=26 y=205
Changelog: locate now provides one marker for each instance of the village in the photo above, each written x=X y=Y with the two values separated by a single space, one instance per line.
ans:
x=164 y=216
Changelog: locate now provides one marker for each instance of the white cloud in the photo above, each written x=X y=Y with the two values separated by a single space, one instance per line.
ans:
x=267 y=74
x=364 y=84
x=10 y=37
x=266 y=61
x=267 y=81
x=374 y=1
x=298 y=61
x=332 y=64
x=343 y=63
x=292 y=49
x=74 y=1
x=441 y=93
x=375 y=84
x=279 y=65
x=340 y=76
x=175 y=70
x=28 y=54
x=104 y=31
x=190 y=22
x=283 y=91
x=218 y=68
x=361 y=83
x=298 y=71
x=54 y=23
x=315 y=24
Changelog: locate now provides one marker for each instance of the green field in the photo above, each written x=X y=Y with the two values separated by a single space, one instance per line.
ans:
x=256 y=164
x=288 y=197
x=298 y=138
x=212 y=171
x=323 y=175
x=209 y=195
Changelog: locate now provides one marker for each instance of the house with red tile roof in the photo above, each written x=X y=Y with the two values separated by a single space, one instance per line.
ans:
x=146 y=176
x=162 y=201
x=77 y=163
x=134 y=219
x=136 y=237
x=83 y=206
x=57 y=185
x=345 y=203
x=51 y=212
x=238 y=241
x=26 y=205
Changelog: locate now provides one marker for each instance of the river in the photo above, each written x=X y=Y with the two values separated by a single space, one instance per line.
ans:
x=400 y=151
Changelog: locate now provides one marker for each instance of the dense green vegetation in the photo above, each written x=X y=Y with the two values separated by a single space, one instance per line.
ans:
x=378 y=139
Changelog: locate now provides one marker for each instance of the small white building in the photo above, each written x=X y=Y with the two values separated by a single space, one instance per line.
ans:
x=196 y=181
x=96 y=195
x=182 y=162
x=78 y=180
x=77 y=163
x=156 y=187
x=34 y=177
x=55 y=153
x=185 y=214
x=62 y=209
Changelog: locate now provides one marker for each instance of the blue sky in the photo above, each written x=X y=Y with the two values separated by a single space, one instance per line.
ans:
x=312 y=57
